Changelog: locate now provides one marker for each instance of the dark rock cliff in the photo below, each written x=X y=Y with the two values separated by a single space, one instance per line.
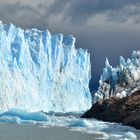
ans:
x=114 y=109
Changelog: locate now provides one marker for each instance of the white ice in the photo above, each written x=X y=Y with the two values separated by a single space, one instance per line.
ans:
x=42 y=72
x=120 y=81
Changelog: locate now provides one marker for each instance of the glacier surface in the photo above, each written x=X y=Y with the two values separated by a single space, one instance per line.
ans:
x=42 y=72
x=120 y=81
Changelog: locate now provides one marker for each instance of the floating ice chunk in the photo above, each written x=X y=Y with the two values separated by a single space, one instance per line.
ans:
x=80 y=123
x=7 y=119
x=130 y=136
x=17 y=114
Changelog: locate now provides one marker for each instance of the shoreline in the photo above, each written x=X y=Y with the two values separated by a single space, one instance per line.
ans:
x=124 y=110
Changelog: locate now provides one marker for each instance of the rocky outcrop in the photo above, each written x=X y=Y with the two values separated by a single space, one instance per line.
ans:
x=122 y=110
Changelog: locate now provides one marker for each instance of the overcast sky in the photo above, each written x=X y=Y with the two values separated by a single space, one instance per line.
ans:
x=107 y=28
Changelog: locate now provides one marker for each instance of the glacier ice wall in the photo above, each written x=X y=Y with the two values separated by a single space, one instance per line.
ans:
x=40 y=71
x=120 y=81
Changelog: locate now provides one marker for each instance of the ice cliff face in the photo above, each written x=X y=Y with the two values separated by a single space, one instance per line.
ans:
x=40 y=71
x=121 y=80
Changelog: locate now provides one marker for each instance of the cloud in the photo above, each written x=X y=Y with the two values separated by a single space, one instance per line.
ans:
x=23 y=14
x=71 y=12
x=82 y=10
x=104 y=27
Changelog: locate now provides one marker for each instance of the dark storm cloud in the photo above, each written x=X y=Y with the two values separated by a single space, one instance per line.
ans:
x=115 y=33
x=78 y=10
x=21 y=14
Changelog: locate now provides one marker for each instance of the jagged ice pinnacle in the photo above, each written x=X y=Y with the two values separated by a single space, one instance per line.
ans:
x=40 y=71
x=120 y=81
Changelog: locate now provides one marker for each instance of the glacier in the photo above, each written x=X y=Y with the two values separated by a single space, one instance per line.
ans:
x=42 y=72
x=119 y=81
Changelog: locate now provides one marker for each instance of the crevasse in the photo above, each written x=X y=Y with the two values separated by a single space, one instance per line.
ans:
x=40 y=71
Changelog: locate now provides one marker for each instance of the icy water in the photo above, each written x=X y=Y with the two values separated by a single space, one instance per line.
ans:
x=65 y=128
x=37 y=132
x=21 y=125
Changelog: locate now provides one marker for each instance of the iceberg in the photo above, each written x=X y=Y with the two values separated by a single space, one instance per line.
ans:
x=120 y=81
x=42 y=72
x=21 y=116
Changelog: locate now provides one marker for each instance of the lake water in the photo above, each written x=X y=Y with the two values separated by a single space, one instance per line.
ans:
x=67 y=128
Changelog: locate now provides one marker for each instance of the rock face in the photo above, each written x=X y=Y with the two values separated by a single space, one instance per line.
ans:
x=122 y=110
